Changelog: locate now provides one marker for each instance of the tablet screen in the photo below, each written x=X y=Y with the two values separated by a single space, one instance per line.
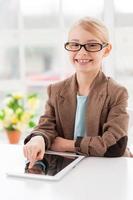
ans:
x=53 y=166
x=50 y=164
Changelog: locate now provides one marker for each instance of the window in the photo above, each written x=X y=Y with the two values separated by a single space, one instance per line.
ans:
x=124 y=44
x=32 y=36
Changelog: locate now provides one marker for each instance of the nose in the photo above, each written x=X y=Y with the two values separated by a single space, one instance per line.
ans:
x=83 y=51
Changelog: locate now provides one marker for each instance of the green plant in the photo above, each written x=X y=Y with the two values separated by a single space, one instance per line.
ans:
x=19 y=111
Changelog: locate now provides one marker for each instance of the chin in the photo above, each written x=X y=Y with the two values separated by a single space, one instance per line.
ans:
x=85 y=70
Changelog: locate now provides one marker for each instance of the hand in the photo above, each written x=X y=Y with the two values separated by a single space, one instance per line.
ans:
x=61 y=144
x=34 y=150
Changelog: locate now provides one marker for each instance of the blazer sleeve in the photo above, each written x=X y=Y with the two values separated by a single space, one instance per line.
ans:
x=113 y=141
x=47 y=124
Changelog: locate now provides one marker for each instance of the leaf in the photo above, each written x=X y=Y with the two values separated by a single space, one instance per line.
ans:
x=32 y=124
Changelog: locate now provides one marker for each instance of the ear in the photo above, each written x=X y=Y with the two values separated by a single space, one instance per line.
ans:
x=107 y=50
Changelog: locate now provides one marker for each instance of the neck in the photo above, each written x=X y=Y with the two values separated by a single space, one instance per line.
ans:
x=84 y=82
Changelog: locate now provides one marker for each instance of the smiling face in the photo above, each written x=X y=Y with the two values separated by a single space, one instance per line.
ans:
x=82 y=60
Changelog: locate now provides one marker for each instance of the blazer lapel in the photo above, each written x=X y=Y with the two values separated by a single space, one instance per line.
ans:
x=95 y=105
x=67 y=107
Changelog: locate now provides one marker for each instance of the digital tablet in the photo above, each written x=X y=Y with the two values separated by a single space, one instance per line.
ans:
x=53 y=166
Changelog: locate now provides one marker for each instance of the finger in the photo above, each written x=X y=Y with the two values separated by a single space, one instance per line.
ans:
x=40 y=155
x=31 y=164
x=29 y=153
x=33 y=157
x=34 y=154
x=26 y=151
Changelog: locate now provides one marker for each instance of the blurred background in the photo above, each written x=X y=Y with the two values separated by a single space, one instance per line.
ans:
x=32 y=36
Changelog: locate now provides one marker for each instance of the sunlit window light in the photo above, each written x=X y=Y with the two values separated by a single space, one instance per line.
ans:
x=124 y=6
x=38 y=7
x=90 y=7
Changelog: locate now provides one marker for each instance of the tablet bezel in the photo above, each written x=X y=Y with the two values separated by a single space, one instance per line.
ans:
x=58 y=176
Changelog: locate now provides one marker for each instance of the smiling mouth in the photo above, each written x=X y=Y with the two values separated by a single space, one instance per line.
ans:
x=83 y=61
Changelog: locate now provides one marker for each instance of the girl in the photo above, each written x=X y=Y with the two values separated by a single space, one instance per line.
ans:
x=85 y=113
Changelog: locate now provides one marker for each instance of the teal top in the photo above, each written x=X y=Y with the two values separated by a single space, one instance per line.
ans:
x=79 y=129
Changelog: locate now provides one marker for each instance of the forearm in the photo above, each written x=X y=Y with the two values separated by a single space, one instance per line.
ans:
x=63 y=145
x=70 y=146
x=106 y=146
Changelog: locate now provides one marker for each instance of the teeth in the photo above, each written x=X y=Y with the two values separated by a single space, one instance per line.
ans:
x=84 y=61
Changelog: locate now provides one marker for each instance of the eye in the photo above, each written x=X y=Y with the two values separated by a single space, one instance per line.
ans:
x=73 y=44
x=92 y=45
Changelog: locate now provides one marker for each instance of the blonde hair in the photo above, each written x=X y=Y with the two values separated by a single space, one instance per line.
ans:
x=94 y=26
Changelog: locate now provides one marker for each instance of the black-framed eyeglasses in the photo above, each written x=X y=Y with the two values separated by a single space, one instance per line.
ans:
x=90 y=47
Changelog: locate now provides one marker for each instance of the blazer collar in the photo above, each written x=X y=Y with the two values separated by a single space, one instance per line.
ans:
x=98 y=86
x=70 y=87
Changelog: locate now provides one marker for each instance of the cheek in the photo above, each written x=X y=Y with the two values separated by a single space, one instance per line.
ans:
x=71 y=57
x=99 y=57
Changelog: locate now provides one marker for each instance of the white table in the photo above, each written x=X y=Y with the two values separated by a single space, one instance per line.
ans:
x=93 y=179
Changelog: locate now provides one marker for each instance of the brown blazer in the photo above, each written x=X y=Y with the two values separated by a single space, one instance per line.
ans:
x=106 y=118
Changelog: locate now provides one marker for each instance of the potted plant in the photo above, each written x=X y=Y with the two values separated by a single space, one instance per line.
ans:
x=17 y=114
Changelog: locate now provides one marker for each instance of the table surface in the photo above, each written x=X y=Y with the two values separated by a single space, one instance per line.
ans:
x=93 y=178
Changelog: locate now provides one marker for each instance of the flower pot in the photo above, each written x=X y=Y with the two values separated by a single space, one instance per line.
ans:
x=13 y=136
